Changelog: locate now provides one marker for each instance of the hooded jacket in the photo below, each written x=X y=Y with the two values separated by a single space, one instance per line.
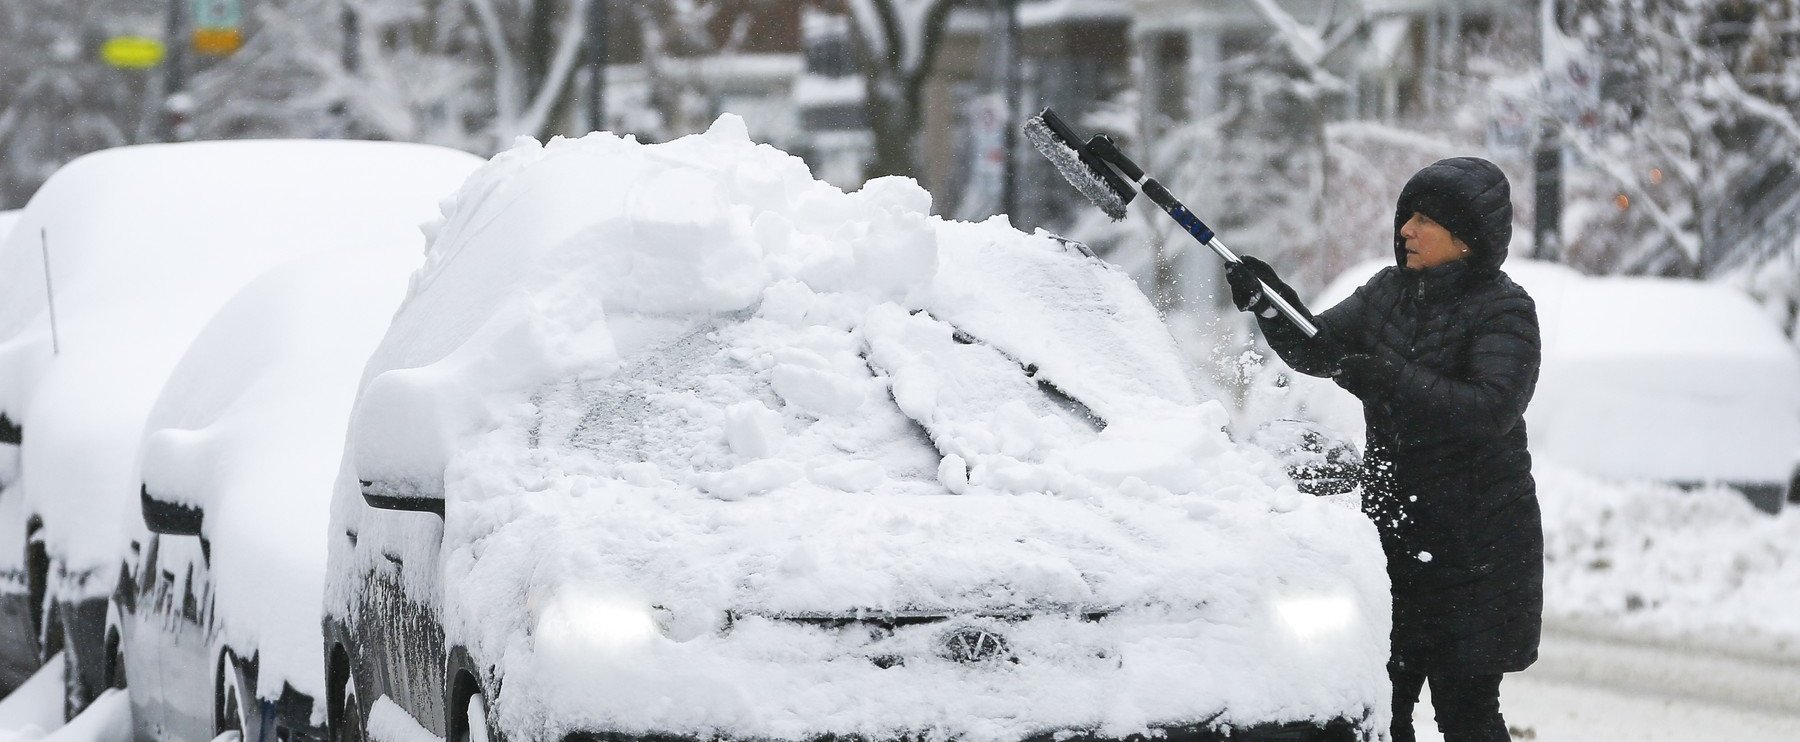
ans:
x=1447 y=478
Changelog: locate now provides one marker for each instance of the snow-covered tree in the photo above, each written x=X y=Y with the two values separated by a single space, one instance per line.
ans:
x=57 y=99
x=1693 y=122
x=897 y=43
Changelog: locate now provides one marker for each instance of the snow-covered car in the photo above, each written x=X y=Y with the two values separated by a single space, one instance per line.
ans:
x=143 y=244
x=674 y=441
x=1669 y=380
x=7 y=220
x=221 y=607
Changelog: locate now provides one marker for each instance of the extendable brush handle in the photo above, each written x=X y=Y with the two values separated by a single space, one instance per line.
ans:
x=1207 y=237
x=1100 y=155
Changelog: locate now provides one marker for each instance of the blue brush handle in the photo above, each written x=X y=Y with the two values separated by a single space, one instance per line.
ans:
x=1209 y=238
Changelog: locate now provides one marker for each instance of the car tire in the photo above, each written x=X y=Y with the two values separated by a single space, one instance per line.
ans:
x=54 y=640
x=351 y=727
x=228 y=704
x=115 y=661
x=475 y=726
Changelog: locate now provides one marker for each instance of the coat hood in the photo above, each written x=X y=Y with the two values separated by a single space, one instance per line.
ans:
x=1470 y=197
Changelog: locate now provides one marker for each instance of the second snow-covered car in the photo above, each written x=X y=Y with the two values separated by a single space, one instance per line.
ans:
x=675 y=442
x=111 y=270
x=218 y=615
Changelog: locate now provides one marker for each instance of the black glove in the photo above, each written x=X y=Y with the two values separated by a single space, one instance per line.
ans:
x=1248 y=294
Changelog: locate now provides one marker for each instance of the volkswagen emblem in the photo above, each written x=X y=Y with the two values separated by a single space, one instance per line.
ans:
x=975 y=644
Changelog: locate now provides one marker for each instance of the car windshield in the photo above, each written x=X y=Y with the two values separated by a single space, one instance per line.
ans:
x=886 y=405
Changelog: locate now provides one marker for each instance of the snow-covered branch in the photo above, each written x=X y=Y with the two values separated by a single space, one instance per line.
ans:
x=1307 y=46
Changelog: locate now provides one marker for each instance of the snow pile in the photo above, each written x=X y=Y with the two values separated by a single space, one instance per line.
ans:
x=145 y=243
x=250 y=428
x=1655 y=559
x=677 y=396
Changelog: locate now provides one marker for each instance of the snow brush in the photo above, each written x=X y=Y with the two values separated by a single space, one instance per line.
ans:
x=1108 y=178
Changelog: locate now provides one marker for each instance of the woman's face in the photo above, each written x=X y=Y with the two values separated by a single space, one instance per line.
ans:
x=1429 y=244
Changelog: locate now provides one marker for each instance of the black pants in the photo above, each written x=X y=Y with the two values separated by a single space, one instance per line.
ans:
x=1468 y=706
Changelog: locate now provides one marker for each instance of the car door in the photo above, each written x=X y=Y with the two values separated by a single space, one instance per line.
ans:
x=141 y=636
x=399 y=632
x=189 y=658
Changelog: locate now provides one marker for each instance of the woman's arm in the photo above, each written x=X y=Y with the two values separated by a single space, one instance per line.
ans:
x=1319 y=355
x=1502 y=372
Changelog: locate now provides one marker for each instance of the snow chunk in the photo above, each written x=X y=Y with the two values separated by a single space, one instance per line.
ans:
x=752 y=429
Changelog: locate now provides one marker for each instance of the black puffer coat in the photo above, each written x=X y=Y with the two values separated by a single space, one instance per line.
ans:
x=1448 y=479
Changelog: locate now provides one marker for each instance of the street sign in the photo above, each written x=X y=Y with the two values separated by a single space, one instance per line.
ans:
x=217 y=42
x=132 y=52
x=218 y=26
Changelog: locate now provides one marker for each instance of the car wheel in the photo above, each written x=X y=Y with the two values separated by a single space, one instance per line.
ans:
x=55 y=641
x=115 y=661
x=475 y=721
x=351 y=727
x=228 y=711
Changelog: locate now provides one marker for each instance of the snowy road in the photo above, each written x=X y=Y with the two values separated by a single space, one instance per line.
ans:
x=1590 y=688
x=1585 y=688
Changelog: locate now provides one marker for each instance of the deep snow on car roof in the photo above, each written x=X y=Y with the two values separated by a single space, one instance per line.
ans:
x=689 y=375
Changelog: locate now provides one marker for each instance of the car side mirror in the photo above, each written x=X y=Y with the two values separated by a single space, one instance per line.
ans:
x=10 y=432
x=406 y=497
x=1319 y=461
x=170 y=518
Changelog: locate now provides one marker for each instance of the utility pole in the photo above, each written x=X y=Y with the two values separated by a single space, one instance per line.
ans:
x=1547 y=232
x=174 y=106
x=1009 y=175
x=352 y=37
x=596 y=63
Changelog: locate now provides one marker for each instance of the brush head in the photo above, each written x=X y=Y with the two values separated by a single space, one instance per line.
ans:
x=1076 y=168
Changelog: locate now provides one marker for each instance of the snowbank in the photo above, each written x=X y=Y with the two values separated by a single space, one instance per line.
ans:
x=250 y=428
x=1655 y=560
x=145 y=243
x=677 y=396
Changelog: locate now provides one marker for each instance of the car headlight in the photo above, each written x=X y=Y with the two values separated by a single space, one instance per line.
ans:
x=1313 y=617
x=577 y=621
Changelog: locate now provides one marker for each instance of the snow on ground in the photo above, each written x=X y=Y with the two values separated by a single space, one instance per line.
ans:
x=107 y=719
x=657 y=383
x=35 y=708
x=1547 y=710
x=1655 y=560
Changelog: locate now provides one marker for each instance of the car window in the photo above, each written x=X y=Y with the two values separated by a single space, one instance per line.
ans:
x=665 y=406
x=972 y=398
x=147 y=570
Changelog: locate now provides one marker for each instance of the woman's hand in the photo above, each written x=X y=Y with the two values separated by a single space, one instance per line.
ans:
x=1247 y=277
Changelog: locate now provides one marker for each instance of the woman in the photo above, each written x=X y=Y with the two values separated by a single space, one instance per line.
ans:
x=1442 y=350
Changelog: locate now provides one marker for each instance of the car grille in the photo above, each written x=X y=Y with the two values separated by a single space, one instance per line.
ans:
x=970 y=643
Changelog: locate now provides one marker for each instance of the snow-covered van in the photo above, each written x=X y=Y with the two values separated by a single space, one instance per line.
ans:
x=676 y=442
x=1669 y=380
x=143 y=244
x=220 y=603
